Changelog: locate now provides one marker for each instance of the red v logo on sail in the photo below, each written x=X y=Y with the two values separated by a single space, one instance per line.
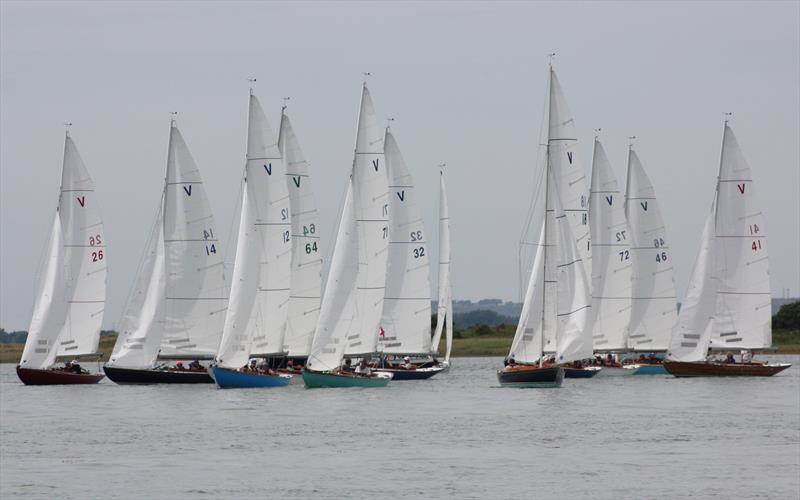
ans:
x=741 y=187
x=82 y=200
x=188 y=190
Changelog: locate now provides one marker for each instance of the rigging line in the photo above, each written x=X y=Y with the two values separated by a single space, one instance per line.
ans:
x=234 y=228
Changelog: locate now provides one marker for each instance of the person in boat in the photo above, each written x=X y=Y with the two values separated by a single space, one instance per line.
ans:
x=74 y=367
x=347 y=367
x=610 y=360
x=195 y=365
x=511 y=363
x=578 y=364
x=179 y=365
x=290 y=365
x=642 y=359
x=729 y=359
x=407 y=364
x=364 y=369
x=747 y=356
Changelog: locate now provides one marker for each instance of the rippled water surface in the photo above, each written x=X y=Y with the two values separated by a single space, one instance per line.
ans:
x=456 y=435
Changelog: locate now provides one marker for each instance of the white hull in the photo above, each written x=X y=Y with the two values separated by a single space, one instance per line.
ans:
x=614 y=371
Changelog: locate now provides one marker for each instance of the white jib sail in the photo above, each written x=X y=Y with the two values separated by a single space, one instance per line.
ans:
x=50 y=308
x=527 y=344
x=692 y=334
x=611 y=257
x=85 y=257
x=406 y=321
x=444 y=313
x=195 y=298
x=570 y=179
x=654 y=310
x=235 y=347
x=267 y=188
x=371 y=204
x=574 y=338
x=743 y=313
x=336 y=317
x=142 y=325
x=306 y=274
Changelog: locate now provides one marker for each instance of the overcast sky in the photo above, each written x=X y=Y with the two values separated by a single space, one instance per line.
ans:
x=464 y=81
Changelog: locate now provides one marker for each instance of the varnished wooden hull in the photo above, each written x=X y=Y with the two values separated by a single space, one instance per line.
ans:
x=56 y=377
x=712 y=369
x=531 y=377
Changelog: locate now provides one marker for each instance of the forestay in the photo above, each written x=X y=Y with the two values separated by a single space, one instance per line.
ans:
x=444 y=313
x=195 y=298
x=527 y=344
x=743 y=311
x=692 y=334
x=654 y=308
x=611 y=257
x=306 y=270
x=269 y=192
x=337 y=311
x=406 y=321
x=142 y=325
x=370 y=193
x=235 y=347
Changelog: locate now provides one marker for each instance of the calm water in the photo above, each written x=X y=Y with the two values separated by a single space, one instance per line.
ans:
x=457 y=435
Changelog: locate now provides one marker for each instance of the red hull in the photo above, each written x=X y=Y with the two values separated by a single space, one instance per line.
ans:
x=711 y=369
x=56 y=377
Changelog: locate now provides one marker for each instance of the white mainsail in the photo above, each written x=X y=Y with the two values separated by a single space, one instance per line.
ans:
x=71 y=299
x=406 y=321
x=269 y=192
x=573 y=340
x=743 y=312
x=237 y=334
x=692 y=334
x=306 y=273
x=179 y=300
x=371 y=206
x=611 y=257
x=654 y=308
x=444 y=313
x=570 y=179
x=195 y=297
x=337 y=312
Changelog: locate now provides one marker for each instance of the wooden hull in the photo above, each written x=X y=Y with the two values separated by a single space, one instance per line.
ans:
x=417 y=374
x=589 y=372
x=314 y=380
x=711 y=369
x=152 y=376
x=234 y=379
x=532 y=377
x=56 y=377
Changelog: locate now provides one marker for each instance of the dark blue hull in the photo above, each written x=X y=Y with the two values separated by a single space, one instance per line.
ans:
x=579 y=372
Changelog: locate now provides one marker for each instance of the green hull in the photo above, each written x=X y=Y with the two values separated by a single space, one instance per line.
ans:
x=315 y=380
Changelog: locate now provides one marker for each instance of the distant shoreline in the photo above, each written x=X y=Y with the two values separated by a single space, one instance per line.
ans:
x=785 y=342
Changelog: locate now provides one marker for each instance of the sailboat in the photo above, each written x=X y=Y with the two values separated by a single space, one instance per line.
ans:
x=654 y=312
x=306 y=272
x=728 y=305
x=177 y=306
x=405 y=328
x=69 y=306
x=611 y=264
x=557 y=301
x=257 y=314
x=444 y=312
x=352 y=305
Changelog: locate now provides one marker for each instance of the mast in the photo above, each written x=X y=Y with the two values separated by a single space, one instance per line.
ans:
x=546 y=201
